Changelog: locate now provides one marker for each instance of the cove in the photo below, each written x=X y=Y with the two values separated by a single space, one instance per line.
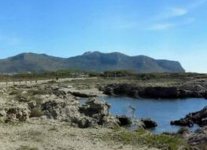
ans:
x=162 y=111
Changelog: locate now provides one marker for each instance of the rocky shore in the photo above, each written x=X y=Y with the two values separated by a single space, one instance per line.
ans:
x=197 y=139
x=43 y=109
x=55 y=106
x=199 y=118
x=191 y=89
x=52 y=102
x=49 y=116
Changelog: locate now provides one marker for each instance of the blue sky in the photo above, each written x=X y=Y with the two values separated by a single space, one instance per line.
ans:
x=163 y=29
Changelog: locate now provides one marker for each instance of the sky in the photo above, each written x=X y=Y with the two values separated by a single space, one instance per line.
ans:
x=162 y=29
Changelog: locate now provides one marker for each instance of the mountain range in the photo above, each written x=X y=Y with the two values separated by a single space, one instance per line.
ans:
x=89 y=61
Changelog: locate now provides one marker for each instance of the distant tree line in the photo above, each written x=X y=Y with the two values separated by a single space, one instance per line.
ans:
x=107 y=74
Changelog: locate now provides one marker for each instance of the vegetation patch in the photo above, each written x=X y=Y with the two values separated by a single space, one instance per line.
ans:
x=143 y=137
x=23 y=147
x=33 y=135
x=38 y=92
x=36 y=112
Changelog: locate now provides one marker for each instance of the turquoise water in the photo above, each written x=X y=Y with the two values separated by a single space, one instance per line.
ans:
x=161 y=111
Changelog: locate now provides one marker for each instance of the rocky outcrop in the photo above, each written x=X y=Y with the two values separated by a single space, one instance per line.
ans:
x=83 y=95
x=93 y=113
x=195 y=89
x=99 y=111
x=160 y=92
x=199 y=117
x=198 y=139
x=53 y=109
x=182 y=122
x=56 y=102
x=95 y=107
x=148 y=123
x=122 y=90
x=144 y=92
x=14 y=114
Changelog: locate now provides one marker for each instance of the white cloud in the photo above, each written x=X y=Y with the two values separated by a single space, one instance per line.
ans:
x=177 y=12
x=172 y=12
x=169 y=25
x=161 y=26
x=168 y=18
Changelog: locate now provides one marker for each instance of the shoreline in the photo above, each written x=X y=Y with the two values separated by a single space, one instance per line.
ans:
x=24 y=107
x=156 y=92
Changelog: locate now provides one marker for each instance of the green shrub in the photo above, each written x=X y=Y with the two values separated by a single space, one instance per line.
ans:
x=145 y=138
x=27 y=148
x=36 y=112
x=37 y=92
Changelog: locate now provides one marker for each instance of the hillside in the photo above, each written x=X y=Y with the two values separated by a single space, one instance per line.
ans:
x=89 y=61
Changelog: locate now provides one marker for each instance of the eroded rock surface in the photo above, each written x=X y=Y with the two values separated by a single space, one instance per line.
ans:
x=144 y=92
x=199 y=117
x=99 y=111
x=195 y=89
x=198 y=139
x=54 y=102
x=14 y=114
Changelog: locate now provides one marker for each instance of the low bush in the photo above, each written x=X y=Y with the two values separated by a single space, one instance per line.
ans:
x=145 y=138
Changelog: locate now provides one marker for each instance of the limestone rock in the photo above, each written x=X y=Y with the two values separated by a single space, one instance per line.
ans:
x=17 y=114
x=199 y=117
x=98 y=110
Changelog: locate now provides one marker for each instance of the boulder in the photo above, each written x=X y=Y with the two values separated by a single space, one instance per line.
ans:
x=148 y=123
x=99 y=111
x=95 y=108
x=60 y=110
x=124 y=120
